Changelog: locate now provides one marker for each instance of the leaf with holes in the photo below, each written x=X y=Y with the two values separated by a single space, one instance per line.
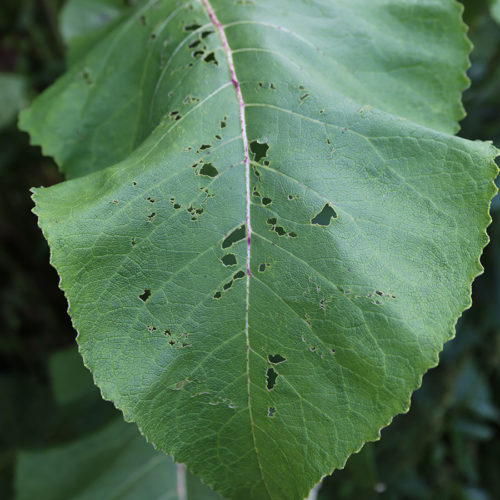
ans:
x=269 y=229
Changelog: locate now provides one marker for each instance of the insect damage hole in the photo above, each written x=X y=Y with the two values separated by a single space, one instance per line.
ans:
x=192 y=27
x=208 y=170
x=145 y=295
x=235 y=236
x=229 y=260
x=324 y=217
x=210 y=58
x=259 y=150
x=271 y=411
x=271 y=377
x=275 y=359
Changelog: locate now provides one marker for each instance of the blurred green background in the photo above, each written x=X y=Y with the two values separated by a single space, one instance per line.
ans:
x=446 y=447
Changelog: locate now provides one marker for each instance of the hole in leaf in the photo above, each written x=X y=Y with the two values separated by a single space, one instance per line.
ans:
x=151 y=217
x=218 y=295
x=239 y=275
x=194 y=44
x=262 y=267
x=271 y=411
x=227 y=286
x=209 y=170
x=223 y=122
x=210 y=58
x=324 y=217
x=204 y=34
x=276 y=358
x=192 y=27
x=266 y=201
x=133 y=242
x=235 y=236
x=229 y=260
x=259 y=150
x=86 y=77
x=205 y=146
x=271 y=377
x=145 y=296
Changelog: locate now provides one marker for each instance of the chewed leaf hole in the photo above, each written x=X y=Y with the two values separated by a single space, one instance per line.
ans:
x=229 y=260
x=263 y=267
x=192 y=27
x=210 y=58
x=276 y=358
x=324 y=217
x=145 y=296
x=259 y=150
x=266 y=201
x=239 y=275
x=271 y=377
x=271 y=411
x=209 y=170
x=217 y=295
x=235 y=236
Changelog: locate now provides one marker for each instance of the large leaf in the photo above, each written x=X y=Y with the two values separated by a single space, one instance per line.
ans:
x=270 y=229
x=85 y=22
x=113 y=464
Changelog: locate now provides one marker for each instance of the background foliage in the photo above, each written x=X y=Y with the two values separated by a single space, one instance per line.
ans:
x=447 y=447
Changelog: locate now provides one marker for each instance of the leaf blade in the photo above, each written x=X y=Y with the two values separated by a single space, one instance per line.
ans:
x=411 y=205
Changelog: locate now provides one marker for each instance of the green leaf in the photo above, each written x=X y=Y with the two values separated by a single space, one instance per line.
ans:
x=263 y=366
x=70 y=380
x=84 y=22
x=114 y=463
x=495 y=10
x=14 y=98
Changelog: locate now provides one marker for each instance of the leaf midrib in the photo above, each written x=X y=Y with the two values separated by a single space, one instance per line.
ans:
x=246 y=160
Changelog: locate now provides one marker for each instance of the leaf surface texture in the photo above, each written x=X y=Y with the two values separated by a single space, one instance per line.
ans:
x=269 y=229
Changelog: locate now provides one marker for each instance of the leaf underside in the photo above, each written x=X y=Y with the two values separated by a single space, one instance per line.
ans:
x=264 y=365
